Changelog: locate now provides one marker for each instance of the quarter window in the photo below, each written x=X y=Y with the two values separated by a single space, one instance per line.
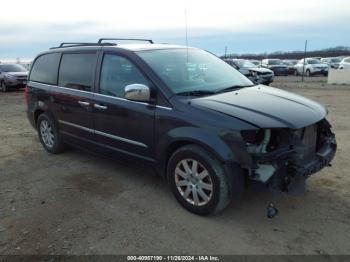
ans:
x=76 y=71
x=45 y=68
x=118 y=72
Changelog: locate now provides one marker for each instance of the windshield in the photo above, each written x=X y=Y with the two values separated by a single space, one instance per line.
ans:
x=244 y=63
x=335 y=60
x=275 y=62
x=313 y=61
x=289 y=62
x=188 y=70
x=12 y=68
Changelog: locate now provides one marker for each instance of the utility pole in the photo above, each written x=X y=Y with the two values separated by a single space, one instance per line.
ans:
x=225 y=51
x=302 y=75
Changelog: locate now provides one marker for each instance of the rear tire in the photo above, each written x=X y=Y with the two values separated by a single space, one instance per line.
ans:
x=49 y=135
x=198 y=180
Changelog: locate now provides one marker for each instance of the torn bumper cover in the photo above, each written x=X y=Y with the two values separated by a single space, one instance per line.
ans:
x=286 y=164
x=323 y=158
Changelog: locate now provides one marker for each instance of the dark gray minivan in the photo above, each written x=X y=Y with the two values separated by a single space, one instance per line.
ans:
x=203 y=125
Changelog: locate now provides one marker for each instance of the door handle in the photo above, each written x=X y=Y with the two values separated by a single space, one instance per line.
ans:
x=84 y=104
x=100 y=107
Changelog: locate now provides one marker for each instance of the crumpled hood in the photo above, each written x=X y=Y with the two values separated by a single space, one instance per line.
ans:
x=260 y=69
x=17 y=73
x=265 y=107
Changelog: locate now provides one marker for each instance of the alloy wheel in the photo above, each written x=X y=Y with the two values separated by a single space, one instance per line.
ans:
x=47 y=134
x=193 y=182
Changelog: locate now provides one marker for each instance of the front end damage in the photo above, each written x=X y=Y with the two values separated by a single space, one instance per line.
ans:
x=284 y=158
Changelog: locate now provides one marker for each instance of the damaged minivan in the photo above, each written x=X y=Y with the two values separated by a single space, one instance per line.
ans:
x=201 y=124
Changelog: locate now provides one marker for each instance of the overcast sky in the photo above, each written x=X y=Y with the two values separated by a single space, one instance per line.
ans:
x=30 y=26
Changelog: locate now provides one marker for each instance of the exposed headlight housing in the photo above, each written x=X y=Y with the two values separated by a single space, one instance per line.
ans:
x=253 y=73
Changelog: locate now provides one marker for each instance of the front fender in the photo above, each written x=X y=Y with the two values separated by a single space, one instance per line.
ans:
x=195 y=135
x=213 y=143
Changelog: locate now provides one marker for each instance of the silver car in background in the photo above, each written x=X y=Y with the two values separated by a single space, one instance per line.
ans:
x=312 y=67
x=256 y=74
x=332 y=62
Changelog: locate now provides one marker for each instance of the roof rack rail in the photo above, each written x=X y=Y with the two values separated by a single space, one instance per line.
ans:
x=125 y=39
x=100 y=42
x=73 y=44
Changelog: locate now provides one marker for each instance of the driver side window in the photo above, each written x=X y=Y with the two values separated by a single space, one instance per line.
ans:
x=116 y=73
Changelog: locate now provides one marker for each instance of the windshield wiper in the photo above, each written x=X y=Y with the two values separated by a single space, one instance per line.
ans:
x=196 y=93
x=231 y=88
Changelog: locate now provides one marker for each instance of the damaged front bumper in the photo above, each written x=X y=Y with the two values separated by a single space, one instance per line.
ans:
x=323 y=158
x=301 y=154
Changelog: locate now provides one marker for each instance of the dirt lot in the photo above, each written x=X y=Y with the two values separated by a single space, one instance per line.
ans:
x=78 y=203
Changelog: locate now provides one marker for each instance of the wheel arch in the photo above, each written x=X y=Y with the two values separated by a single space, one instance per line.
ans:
x=37 y=113
x=182 y=136
x=41 y=107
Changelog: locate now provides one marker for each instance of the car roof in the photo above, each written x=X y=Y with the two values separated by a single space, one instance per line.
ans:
x=128 y=47
x=139 y=47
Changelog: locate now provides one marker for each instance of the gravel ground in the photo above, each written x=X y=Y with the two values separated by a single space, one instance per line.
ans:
x=78 y=203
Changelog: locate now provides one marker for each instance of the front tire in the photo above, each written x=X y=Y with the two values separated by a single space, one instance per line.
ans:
x=308 y=73
x=4 y=87
x=198 y=180
x=48 y=134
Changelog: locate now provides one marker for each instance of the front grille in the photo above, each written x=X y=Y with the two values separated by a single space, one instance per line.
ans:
x=21 y=77
x=309 y=140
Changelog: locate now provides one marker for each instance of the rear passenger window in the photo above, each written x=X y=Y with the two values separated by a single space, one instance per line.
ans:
x=118 y=72
x=45 y=69
x=76 y=71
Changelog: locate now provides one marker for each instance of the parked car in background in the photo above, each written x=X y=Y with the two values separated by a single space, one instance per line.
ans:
x=256 y=62
x=257 y=74
x=12 y=76
x=312 y=67
x=332 y=62
x=290 y=65
x=276 y=65
x=345 y=63
x=26 y=66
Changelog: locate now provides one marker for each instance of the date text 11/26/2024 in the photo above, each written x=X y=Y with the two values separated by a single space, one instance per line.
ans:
x=173 y=258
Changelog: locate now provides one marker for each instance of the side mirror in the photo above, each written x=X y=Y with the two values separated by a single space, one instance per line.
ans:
x=137 y=92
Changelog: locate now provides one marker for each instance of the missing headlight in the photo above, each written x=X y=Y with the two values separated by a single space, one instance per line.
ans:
x=252 y=136
x=261 y=141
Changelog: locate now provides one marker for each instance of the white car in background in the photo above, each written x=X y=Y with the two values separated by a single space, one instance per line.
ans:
x=332 y=62
x=312 y=67
x=345 y=63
